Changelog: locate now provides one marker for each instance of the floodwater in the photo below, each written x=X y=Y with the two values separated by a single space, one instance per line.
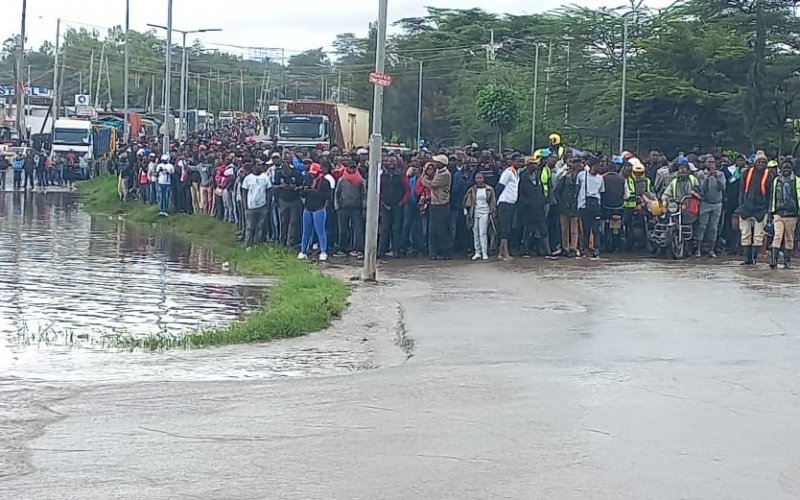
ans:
x=68 y=280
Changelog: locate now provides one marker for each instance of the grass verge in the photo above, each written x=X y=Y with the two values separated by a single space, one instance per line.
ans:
x=304 y=300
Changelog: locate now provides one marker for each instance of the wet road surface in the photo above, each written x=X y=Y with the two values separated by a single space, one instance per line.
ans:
x=655 y=380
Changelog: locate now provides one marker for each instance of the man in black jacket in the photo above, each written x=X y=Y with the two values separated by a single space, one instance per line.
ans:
x=754 y=200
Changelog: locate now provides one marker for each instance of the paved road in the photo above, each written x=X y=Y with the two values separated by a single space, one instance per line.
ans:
x=612 y=381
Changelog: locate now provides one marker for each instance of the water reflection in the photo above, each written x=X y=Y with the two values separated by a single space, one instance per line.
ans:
x=60 y=267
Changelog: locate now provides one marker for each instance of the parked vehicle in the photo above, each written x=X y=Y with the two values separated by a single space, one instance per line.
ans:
x=309 y=123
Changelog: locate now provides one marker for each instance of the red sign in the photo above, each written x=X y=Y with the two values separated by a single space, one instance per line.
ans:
x=380 y=79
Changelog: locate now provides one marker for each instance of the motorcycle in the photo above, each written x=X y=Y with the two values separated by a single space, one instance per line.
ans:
x=638 y=227
x=673 y=231
x=611 y=228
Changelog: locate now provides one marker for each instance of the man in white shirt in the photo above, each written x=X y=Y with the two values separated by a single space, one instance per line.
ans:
x=590 y=188
x=254 y=196
x=165 y=171
x=508 y=186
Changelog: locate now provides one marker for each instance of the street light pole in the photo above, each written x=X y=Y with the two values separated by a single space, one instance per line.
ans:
x=419 y=107
x=184 y=65
x=20 y=122
x=535 y=96
x=167 y=78
x=371 y=248
x=624 y=83
x=182 y=112
x=127 y=128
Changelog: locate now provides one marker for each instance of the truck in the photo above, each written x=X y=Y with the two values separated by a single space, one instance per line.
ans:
x=309 y=123
x=83 y=138
x=225 y=118
x=197 y=121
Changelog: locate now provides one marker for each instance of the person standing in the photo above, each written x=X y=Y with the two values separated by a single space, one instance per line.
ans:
x=712 y=185
x=730 y=204
x=350 y=201
x=393 y=197
x=412 y=222
x=590 y=190
x=317 y=191
x=567 y=196
x=754 y=198
x=439 y=225
x=165 y=171
x=254 y=197
x=785 y=208
x=4 y=164
x=29 y=166
x=41 y=170
x=18 y=167
x=287 y=184
x=480 y=207
x=532 y=208
x=508 y=189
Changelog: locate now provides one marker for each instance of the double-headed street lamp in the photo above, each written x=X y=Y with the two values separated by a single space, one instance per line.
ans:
x=184 y=69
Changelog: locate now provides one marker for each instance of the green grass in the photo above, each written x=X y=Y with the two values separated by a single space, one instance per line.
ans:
x=304 y=300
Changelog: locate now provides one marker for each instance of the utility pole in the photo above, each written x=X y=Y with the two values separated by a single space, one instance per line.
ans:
x=419 y=106
x=126 y=132
x=21 y=130
x=547 y=77
x=208 y=92
x=197 y=97
x=80 y=82
x=91 y=76
x=99 y=75
x=371 y=250
x=566 y=101
x=182 y=113
x=56 y=86
x=167 y=78
x=535 y=97
x=241 y=90
x=624 y=82
x=108 y=84
x=339 y=87
x=153 y=93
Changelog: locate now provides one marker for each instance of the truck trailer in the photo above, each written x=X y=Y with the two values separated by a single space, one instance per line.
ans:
x=309 y=123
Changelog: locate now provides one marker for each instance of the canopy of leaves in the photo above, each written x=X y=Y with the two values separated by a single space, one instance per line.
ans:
x=498 y=106
x=701 y=74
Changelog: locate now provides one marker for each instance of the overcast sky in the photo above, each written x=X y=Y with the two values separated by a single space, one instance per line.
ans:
x=295 y=25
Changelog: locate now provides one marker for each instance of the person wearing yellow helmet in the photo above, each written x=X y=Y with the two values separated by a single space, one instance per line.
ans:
x=557 y=146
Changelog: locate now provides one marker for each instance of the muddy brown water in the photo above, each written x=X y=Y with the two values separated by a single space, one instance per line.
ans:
x=68 y=279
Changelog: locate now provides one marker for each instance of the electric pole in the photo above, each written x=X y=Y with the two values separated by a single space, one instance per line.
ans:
x=376 y=141
x=56 y=86
x=167 y=78
x=126 y=131
x=535 y=97
x=21 y=130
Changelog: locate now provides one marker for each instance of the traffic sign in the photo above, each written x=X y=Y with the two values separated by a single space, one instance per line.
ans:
x=380 y=79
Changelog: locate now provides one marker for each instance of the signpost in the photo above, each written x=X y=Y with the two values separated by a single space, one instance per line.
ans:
x=380 y=79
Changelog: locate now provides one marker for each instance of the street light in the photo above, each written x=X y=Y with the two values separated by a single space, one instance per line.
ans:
x=184 y=67
x=624 y=82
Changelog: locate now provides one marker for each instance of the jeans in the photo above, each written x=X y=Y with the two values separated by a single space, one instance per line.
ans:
x=391 y=229
x=590 y=219
x=457 y=228
x=480 y=226
x=60 y=176
x=708 y=222
x=256 y=221
x=227 y=203
x=351 y=229
x=554 y=226
x=290 y=215
x=412 y=229
x=164 y=189
x=17 y=179
x=28 y=177
x=41 y=178
x=439 y=228
x=314 y=222
x=3 y=179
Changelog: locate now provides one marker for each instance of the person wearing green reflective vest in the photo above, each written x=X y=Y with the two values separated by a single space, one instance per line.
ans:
x=636 y=185
x=785 y=208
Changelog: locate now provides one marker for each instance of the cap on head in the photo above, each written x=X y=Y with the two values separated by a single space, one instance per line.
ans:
x=362 y=151
x=164 y=157
x=441 y=159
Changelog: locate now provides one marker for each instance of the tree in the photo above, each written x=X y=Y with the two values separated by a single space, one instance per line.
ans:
x=498 y=106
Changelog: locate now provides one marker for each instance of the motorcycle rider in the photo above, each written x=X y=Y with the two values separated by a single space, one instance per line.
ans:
x=784 y=207
x=635 y=186
x=682 y=184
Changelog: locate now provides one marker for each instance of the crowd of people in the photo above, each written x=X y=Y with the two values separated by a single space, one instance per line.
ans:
x=33 y=169
x=459 y=201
